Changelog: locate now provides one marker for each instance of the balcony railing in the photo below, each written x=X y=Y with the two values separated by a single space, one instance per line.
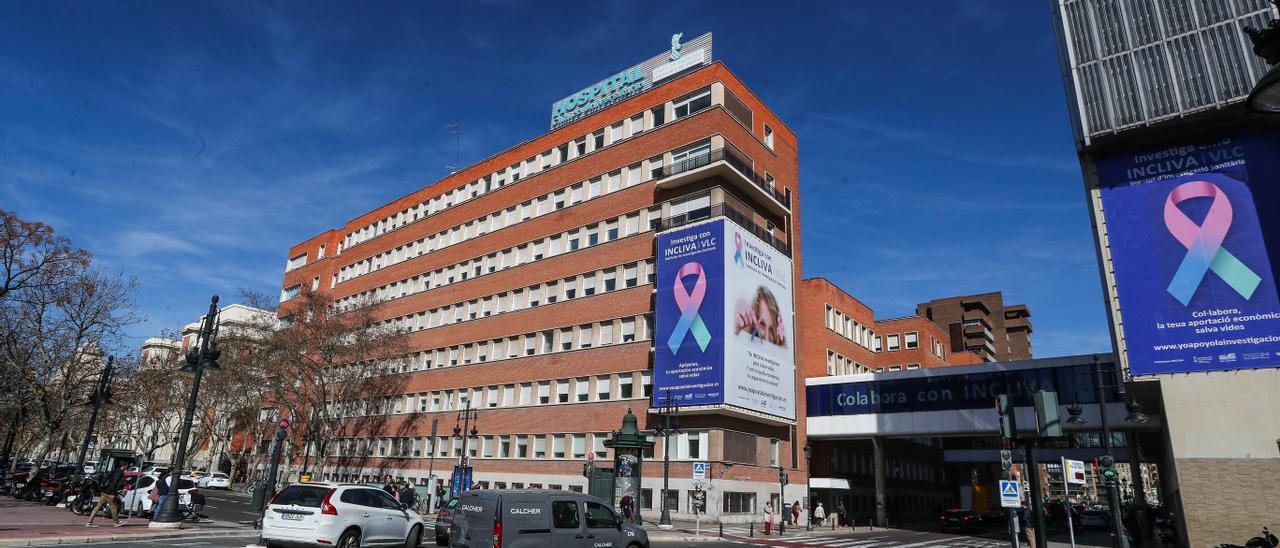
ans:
x=724 y=210
x=742 y=165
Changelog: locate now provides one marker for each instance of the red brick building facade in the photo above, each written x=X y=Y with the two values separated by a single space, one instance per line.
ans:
x=525 y=282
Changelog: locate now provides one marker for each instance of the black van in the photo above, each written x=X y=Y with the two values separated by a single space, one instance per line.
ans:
x=528 y=519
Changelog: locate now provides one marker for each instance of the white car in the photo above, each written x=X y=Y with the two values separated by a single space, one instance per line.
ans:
x=341 y=516
x=138 y=498
x=216 y=480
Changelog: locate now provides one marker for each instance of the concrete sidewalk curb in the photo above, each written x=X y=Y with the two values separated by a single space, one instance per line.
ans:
x=92 y=539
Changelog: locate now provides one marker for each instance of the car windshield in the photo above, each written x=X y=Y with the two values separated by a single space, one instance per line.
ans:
x=186 y=484
x=308 y=496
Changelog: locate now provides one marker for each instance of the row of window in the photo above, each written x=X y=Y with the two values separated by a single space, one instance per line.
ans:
x=628 y=224
x=602 y=333
x=581 y=146
x=837 y=364
x=687 y=445
x=851 y=329
x=853 y=461
x=582 y=285
x=534 y=393
x=503 y=218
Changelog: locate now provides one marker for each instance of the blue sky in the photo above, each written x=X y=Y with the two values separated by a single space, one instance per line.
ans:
x=190 y=145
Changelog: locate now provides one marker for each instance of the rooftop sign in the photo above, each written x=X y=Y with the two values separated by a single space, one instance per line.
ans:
x=633 y=80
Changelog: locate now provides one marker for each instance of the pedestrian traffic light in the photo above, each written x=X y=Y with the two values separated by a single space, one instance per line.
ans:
x=1006 y=460
x=281 y=429
x=1108 y=466
x=782 y=476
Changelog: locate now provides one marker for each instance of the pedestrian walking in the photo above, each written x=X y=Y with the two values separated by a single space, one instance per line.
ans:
x=819 y=514
x=113 y=485
x=1028 y=525
x=795 y=512
x=842 y=515
x=768 y=517
x=161 y=490
x=389 y=485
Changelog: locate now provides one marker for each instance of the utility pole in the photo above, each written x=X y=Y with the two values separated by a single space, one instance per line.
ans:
x=1118 y=539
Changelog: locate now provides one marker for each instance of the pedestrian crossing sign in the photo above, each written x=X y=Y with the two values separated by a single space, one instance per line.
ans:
x=1010 y=494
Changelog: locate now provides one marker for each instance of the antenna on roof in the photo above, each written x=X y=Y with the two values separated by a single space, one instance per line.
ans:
x=456 y=130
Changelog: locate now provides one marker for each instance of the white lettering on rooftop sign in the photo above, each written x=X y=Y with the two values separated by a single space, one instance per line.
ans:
x=674 y=67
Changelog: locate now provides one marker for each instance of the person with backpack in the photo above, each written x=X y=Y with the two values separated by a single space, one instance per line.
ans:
x=112 y=486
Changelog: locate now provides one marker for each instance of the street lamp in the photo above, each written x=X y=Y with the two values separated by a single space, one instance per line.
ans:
x=670 y=425
x=100 y=397
x=465 y=429
x=1135 y=416
x=203 y=356
x=1266 y=44
x=808 y=467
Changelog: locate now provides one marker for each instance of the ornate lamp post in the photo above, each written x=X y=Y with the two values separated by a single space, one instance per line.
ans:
x=100 y=397
x=204 y=356
x=808 y=466
x=465 y=429
x=670 y=425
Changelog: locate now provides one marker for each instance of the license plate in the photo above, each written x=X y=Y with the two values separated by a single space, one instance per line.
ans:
x=294 y=517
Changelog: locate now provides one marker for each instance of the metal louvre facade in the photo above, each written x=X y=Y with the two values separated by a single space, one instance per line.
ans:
x=1135 y=62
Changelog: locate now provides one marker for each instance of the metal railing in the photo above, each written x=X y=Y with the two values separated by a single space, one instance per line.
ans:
x=738 y=217
x=742 y=165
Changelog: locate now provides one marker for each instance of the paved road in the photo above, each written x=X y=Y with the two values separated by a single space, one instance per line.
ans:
x=228 y=506
x=240 y=542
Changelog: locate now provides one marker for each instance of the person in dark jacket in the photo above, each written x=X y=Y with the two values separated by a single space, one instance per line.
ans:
x=389 y=485
x=112 y=486
x=407 y=495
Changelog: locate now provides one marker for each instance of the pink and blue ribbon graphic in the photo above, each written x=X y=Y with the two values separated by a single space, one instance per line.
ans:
x=737 y=243
x=1204 y=243
x=689 y=303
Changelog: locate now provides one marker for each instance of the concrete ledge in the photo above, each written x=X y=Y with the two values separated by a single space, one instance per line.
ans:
x=683 y=536
x=185 y=533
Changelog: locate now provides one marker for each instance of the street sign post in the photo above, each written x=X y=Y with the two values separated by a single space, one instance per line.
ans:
x=1072 y=472
x=1010 y=494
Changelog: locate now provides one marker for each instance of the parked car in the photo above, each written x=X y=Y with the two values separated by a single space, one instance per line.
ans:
x=960 y=520
x=340 y=515
x=443 y=518
x=90 y=466
x=540 y=518
x=1094 y=518
x=137 y=497
x=216 y=480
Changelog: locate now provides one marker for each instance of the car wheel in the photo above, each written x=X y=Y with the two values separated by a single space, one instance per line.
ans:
x=349 y=539
x=414 y=538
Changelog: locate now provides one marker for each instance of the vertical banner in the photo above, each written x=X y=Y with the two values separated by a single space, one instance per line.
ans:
x=759 y=348
x=1194 y=260
x=724 y=332
x=689 y=316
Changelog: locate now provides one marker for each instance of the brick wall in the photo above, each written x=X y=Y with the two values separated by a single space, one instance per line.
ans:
x=1228 y=500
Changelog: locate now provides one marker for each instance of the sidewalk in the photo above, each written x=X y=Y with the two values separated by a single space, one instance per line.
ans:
x=32 y=524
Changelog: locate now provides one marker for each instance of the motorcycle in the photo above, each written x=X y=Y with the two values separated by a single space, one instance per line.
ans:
x=85 y=496
x=1267 y=540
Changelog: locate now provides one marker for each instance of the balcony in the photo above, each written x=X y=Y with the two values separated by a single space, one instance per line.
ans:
x=734 y=168
x=724 y=210
x=977 y=330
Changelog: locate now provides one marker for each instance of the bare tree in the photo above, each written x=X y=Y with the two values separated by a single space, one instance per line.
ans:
x=322 y=363
x=57 y=317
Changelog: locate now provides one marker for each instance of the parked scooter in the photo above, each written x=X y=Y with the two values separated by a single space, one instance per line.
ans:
x=85 y=495
x=1267 y=540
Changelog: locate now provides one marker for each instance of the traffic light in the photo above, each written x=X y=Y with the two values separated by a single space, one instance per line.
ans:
x=282 y=429
x=1108 y=466
x=1006 y=460
x=782 y=476
x=1006 y=417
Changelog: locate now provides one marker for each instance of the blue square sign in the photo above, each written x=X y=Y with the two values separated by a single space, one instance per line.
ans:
x=1010 y=494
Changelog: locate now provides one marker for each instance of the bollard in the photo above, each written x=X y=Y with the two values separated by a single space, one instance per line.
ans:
x=833 y=523
x=753 y=529
x=721 y=530
x=871 y=524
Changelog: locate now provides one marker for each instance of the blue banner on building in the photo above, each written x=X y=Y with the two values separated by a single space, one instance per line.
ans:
x=1194 y=261
x=689 y=339
x=941 y=390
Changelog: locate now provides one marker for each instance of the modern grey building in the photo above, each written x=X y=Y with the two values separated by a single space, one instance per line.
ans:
x=1156 y=91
